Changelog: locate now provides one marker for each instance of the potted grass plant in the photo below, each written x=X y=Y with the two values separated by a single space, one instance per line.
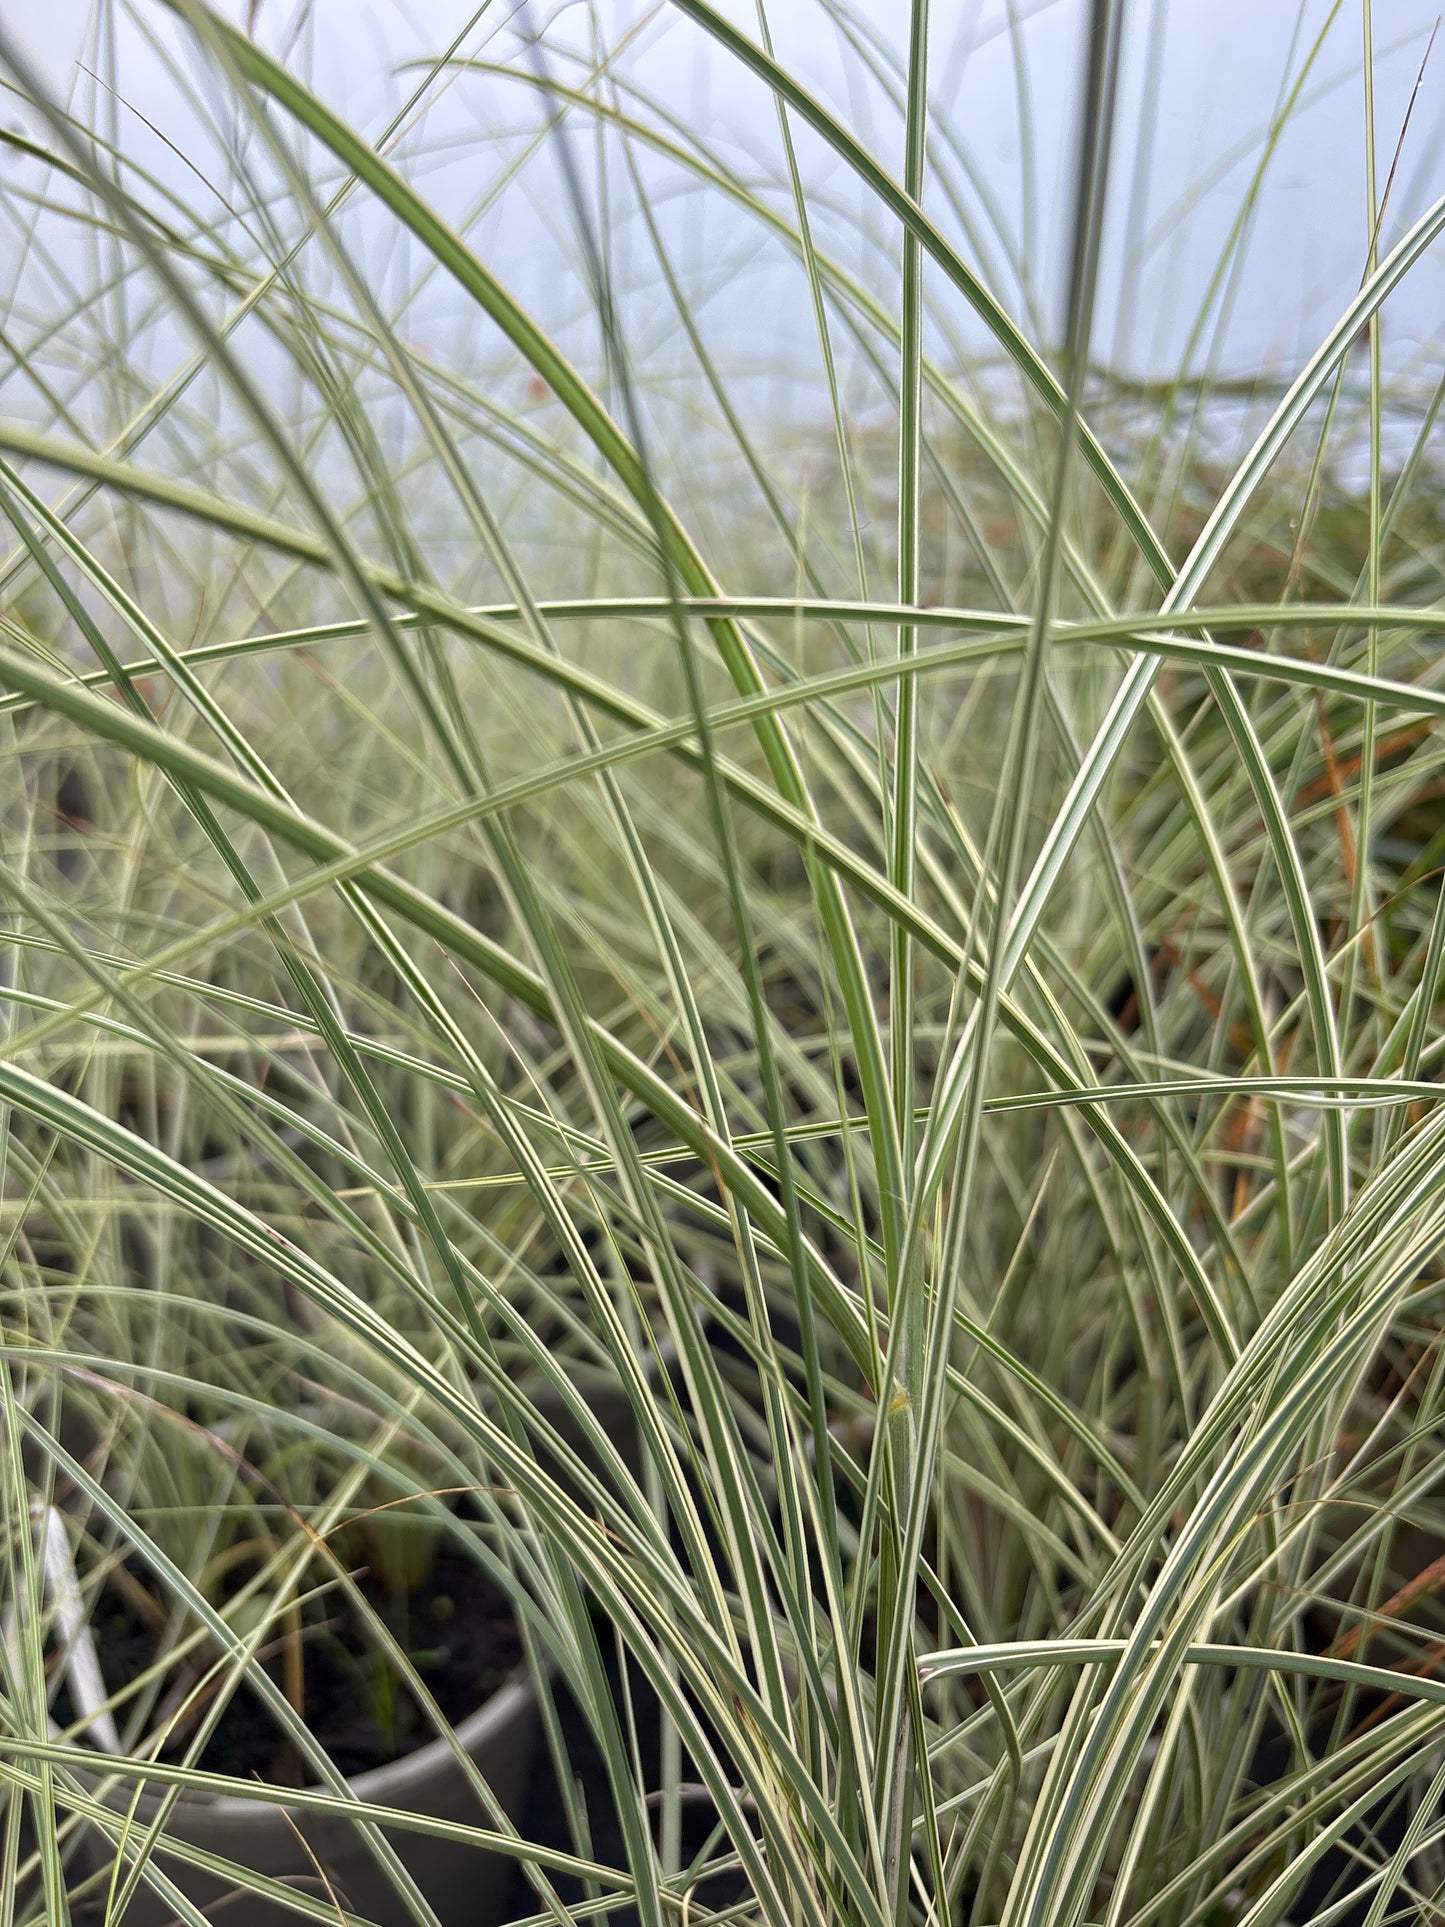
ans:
x=233 y=1632
x=309 y=1592
x=295 y=1557
x=518 y=843
x=286 y=1581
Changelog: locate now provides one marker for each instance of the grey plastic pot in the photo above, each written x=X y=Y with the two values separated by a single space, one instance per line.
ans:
x=466 y=1885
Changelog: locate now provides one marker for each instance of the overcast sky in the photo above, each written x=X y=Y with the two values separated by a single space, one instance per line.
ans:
x=1215 y=72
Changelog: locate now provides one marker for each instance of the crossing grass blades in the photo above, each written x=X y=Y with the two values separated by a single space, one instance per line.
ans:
x=798 y=1066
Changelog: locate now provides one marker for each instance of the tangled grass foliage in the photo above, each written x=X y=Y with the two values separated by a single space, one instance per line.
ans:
x=902 y=941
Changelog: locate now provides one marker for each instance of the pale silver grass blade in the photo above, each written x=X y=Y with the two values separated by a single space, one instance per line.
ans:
x=925 y=1330
x=1138 y=681
x=72 y=1622
x=1139 y=678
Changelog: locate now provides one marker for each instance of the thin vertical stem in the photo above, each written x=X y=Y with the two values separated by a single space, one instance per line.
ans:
x=903 y=858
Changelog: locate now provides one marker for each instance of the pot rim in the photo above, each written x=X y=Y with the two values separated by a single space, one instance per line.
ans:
x=399 y=1783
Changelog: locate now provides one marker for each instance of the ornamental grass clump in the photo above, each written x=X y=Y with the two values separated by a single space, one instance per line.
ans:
x=785 y=1020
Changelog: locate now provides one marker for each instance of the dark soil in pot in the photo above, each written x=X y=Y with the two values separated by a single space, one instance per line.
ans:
x=457 y=1628
x=1331 y=1891
x=544 y=1816
x=1334 y=1889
